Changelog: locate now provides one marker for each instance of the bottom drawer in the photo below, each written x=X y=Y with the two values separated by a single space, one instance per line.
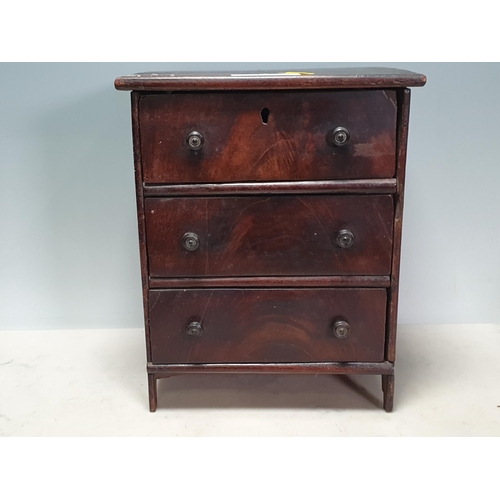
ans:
x=267 y=325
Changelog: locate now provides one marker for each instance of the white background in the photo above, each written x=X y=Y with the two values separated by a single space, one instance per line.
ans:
x=69 y=254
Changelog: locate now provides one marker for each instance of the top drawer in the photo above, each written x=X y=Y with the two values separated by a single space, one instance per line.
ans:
x=268 y=136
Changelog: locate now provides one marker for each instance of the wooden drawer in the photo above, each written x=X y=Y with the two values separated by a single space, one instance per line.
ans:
x=269 y=236
x=295 y=143
x=267 y=325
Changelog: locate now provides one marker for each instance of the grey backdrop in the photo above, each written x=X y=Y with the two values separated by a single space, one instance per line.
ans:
x=69 y=251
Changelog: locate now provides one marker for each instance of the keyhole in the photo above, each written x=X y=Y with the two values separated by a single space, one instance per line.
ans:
x=265 y=115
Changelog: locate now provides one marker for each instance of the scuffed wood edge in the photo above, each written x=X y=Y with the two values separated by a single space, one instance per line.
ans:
x=136 y=136
x=362 y=186
x=393 y=292
x=383 y=368
x=214 y=83
x=272 y=281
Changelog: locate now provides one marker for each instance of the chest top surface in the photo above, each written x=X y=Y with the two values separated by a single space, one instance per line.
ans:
x=325 y=78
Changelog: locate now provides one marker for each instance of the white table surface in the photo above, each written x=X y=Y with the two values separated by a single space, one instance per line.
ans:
x=94 y=383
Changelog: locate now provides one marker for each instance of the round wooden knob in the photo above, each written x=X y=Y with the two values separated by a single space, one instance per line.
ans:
x=345 y=239
x=190 y=241
x=341 y=329
x=194 y=329
x=194 y=141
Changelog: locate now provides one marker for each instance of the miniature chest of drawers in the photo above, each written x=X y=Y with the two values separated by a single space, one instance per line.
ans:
x=270 y=217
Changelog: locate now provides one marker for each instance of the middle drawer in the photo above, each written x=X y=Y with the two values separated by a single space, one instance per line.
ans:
x=306 y=235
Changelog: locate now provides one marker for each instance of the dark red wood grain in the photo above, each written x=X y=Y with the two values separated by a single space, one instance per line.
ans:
x=273 y=282
x=360 y=186
x=267 y=236
x=141 y=224
x=327 y=368
x=321 y=78
x=263 y=325
x=267 y=201
x=292 y=146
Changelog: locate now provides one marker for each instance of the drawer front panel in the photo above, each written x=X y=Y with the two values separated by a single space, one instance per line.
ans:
x=277 y=325
x=269 y=236
x=295 y=143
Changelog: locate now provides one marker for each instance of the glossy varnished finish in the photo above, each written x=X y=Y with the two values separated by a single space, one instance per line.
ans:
x=242 y=264
x=273 y=282
x=326 y=368
x=321 y=78
x=292 y=145
x=267 y=325
x=360 y=186
x=273 y=235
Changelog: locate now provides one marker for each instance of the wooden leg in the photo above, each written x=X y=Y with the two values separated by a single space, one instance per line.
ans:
x=388 y=388
x=153 y=394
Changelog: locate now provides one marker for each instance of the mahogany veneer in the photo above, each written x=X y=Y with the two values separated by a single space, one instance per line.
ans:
x=270 y=217
x=292 y=144
x=269 y=235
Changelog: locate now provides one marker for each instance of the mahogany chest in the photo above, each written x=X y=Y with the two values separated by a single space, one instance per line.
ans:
x=270 y=216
